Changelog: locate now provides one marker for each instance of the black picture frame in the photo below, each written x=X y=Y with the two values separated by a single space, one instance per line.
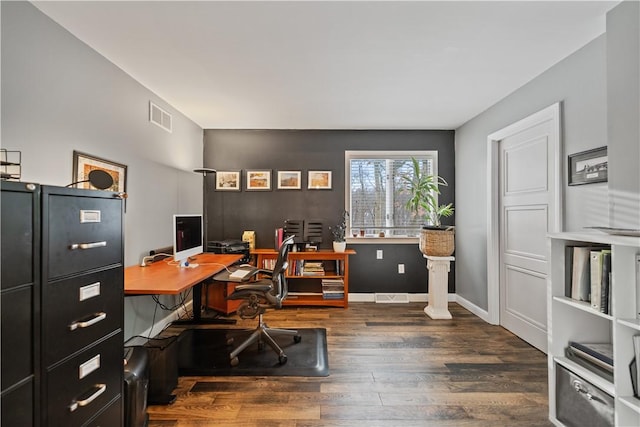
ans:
x=588 y=167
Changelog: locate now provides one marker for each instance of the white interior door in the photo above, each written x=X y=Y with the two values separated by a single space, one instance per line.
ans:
x=515 y=261
x=526 y=180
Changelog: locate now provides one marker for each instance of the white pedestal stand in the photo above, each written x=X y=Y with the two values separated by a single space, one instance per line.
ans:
x=438 y=267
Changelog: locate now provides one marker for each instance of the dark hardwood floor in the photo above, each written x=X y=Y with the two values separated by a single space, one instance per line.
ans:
x=391 y=365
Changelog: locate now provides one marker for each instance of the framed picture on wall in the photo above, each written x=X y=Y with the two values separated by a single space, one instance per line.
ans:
x=258 y=180
x=319 y=180
x=289 y=180
x=228 y=181
x=588 y=167
x=84 y=163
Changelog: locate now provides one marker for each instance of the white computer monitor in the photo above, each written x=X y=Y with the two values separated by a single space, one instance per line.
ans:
x=187 y=237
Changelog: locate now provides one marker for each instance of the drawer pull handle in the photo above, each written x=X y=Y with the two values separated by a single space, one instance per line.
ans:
x=101 y=388
x=580 y=388
x=88 y=245
x=86 y=323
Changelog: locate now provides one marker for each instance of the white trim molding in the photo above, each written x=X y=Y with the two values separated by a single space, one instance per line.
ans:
x=418 y=297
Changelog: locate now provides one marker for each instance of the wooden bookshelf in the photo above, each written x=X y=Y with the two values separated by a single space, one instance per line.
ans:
x=306 y=288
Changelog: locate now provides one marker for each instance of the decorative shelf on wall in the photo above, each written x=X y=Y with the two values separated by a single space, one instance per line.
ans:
x=10 y=165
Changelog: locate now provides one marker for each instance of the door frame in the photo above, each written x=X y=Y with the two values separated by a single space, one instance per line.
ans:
x=493 y=196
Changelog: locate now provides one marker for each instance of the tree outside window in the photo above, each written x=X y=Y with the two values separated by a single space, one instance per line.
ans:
x=377 y=193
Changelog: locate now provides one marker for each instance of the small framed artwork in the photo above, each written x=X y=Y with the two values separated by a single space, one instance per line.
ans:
x=84 y=163
x=319 y=180
x=588 y=167
x=289 y=180
x=228 y=181
x=258 y=180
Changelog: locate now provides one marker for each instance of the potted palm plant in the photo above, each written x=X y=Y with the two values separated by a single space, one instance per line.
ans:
x=338 y=232
x=424 y=188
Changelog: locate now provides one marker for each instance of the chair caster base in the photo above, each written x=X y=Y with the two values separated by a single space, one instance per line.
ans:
x=235 y=361
x=297 y=339
x=282 y=359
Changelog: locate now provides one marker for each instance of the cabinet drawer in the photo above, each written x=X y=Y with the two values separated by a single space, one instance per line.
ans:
x=18 y=336
x=80 y=310
x=18 y=406
x=20 y=236
x=581 y=404
x=81 y=233
x=110 y=417
x=83 y=385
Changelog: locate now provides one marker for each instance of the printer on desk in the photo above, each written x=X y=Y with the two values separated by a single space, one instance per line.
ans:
x=230 y=246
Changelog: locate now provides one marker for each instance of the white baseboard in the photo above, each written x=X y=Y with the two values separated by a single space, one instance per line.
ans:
x=371 y=297
x=481 y=313
x=355 y=297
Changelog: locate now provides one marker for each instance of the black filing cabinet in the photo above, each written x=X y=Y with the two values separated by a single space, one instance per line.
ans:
x=20 y=290
x=82 y=307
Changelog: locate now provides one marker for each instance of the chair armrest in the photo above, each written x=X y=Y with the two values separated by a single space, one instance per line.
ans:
x=265 y=271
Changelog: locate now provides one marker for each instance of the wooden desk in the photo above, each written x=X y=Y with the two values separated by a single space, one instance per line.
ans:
x=161 y=278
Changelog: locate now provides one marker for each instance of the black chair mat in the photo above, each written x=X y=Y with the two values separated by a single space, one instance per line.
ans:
x=205 y=352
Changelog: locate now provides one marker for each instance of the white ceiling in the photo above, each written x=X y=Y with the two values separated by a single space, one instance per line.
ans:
x=332 y=65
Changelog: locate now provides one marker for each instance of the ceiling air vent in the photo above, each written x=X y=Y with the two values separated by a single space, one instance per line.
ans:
x=159 y=117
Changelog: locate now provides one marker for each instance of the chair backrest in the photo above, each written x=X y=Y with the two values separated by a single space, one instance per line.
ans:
x=279 y=280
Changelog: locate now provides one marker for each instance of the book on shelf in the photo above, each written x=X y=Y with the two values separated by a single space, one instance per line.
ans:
x=638 y=288
x=597 y=354
x=600 y=267
x=605 y=283
x=313 y=268
x=278 y=238
x=636 y=375
x=633 y=371
x=579 y=271
x=595 y=278
x=333 y=294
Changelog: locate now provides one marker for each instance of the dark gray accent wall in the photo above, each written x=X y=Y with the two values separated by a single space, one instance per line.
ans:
x=230 y=213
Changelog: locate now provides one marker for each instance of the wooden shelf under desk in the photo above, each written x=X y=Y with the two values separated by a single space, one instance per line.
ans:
x=306 y=290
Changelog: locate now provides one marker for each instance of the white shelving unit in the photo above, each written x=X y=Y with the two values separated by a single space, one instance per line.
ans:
x=571 y=320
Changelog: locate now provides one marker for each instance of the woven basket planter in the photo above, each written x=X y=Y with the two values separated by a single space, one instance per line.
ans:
x=437 y=242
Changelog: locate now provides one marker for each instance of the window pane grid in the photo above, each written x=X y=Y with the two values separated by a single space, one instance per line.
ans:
x=378 y=195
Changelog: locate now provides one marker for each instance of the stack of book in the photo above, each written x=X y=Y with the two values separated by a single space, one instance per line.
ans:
x=589 y=276
x=597 y=357
x=313 y=268
x=332 y=288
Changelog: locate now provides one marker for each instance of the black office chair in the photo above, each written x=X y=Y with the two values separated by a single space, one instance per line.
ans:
x=267 y=292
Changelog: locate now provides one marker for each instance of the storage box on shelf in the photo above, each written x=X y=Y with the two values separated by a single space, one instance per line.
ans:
x=324 y=281
x=573 y=320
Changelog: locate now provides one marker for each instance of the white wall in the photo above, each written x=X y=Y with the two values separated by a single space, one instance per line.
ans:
x=623 y=99
x=599 y=87
x=579 y=82
x=59 y=95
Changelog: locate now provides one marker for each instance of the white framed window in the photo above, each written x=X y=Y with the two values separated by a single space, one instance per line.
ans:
x=376 y=195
